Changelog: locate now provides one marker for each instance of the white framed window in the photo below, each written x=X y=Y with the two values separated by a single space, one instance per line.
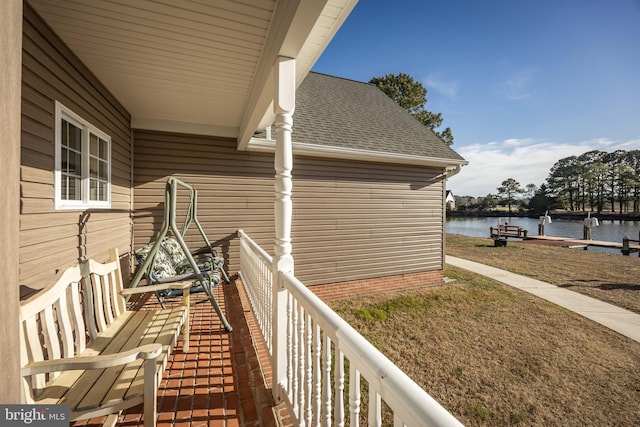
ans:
x=82 y=163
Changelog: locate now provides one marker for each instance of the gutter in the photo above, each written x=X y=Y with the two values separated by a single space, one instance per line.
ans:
x=452 y=167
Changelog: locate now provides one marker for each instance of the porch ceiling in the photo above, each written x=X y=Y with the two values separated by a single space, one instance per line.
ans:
x=195 y=66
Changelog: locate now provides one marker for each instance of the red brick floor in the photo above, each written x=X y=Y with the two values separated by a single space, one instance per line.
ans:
x=225 y=378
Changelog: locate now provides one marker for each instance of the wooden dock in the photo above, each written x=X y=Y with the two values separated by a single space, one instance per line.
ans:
x=579 y=243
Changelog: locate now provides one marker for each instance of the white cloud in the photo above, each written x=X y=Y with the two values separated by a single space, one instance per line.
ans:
x=518 y=86
x=528 y=161
x=434 y=81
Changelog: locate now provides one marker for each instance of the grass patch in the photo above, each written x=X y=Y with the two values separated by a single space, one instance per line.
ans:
x=607 y=277
x=495 y=356
x=372 y=314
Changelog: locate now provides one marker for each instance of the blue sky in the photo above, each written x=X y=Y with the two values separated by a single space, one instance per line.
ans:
x=521 y=84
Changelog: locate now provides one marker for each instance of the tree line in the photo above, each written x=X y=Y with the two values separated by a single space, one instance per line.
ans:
x=594 y=181
x=597 y=180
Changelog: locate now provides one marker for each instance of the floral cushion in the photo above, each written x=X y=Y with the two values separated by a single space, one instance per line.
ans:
x=171 y=246
x=161 y=267
x=180 y=262
x=170 y=261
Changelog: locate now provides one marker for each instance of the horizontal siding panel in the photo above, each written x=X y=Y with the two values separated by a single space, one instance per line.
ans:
x=38 y=144
x=55 y=60
x=39 y=251
x=352 y=220
x=38 y=272
x=358 y=220
x=36 y=190
x=37 y=159
x=50 y=240
x=235 y=189
x=39 y=236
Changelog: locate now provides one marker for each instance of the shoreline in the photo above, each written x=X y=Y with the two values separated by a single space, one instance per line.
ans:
x=576 y=216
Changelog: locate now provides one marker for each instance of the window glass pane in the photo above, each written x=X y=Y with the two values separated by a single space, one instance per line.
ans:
x=71 y=136
x=75 y=163
x=93 y=144
x=98 y=190
x=64 y=190
x=83 y=159
x=93 y=190
x=103 y=191
x=103 y=149
x=70 y=188
x=65 y=133
x=102 y=173
x=71 y=162
x=93 y=167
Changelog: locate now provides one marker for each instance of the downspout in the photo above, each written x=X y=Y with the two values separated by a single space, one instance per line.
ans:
x=448 y=173
x=131 y=197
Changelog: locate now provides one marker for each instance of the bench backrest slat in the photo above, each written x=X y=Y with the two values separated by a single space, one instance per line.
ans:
x=119 y=304
x=105 y=282
x=64 y=324
x=34 y=352
x=77 y=318
x=42 y=318
x=55 y=323
x=50 y=335
x=98 y=302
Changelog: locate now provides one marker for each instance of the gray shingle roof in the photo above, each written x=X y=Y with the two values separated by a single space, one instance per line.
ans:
x=337 y=112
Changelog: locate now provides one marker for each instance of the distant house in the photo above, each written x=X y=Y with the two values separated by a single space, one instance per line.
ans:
x=137 y=94
x=450 y=200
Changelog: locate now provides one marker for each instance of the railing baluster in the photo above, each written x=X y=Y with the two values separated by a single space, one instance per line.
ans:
x=354 y=396
x=308 y=363
x=300 y=365
x=310 y=355
x=291 y=351
x=326 y=383
x=338 y=409
x=317 y=375
x=375 y=410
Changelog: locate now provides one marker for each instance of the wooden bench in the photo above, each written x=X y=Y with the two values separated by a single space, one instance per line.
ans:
x=83 y=348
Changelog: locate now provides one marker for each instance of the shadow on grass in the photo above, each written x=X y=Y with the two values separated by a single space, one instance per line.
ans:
x=616 y=286
x=603 y=286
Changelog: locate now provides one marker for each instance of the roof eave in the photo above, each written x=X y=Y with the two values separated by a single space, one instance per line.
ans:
x=326 y=151
x=301 y=31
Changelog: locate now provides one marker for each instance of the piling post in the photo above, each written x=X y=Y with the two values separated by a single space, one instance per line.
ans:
x=625 y=246
x=588 y=224
x=543 y=220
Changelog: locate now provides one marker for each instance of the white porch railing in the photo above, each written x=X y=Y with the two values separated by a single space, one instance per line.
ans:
x=255 y=272
x=326 y=358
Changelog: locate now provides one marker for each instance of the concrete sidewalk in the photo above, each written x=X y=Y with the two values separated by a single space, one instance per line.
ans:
x=618 y=319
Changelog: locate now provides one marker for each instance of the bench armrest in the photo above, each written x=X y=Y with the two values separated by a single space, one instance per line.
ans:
x=154 y=288
x=148 y=351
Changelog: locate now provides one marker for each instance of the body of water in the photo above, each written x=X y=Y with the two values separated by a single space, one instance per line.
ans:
x=610 y=231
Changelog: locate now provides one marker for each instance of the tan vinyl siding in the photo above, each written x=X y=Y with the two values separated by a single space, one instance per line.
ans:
x=51 y=240
x=358 y=220
x=352 y=220
x=235 y=190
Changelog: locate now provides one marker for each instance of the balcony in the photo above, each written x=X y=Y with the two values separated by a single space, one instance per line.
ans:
x=290 y=360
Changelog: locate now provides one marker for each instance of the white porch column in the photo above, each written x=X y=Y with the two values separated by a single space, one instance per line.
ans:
x=10 y=110
x=284 y=104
